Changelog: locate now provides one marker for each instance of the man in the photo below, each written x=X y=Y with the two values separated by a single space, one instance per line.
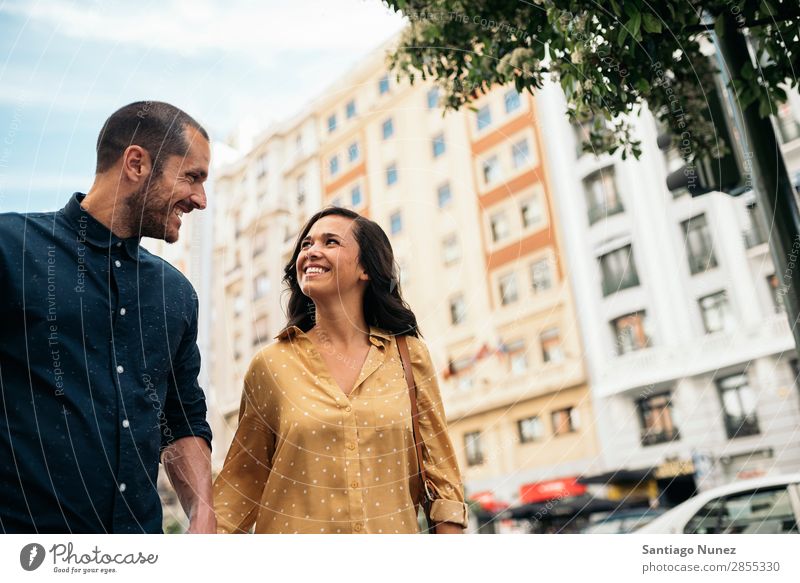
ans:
x=98 y=352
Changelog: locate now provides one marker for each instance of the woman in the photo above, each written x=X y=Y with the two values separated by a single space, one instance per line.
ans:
x=325 y=441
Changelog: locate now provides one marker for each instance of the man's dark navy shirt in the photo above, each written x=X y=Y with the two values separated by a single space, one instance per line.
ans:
x=98 y=373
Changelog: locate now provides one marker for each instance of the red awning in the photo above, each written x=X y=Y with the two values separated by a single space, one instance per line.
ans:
x=488 y=502
x=551 y=489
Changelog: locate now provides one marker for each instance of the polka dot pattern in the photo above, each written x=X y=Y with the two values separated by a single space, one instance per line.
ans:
x=307 y=458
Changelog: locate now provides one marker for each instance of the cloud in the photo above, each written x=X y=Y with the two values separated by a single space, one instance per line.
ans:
x=260 y=29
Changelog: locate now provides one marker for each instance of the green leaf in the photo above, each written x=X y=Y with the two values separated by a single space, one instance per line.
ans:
x=631 y=9
x=615 y=7
x=719 y=26
x=765 y=106
x=643 y=86
x=623 y=32
x=651 y=23
x=633 y=25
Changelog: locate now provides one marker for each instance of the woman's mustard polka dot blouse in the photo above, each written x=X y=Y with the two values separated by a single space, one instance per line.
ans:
x=306 y=458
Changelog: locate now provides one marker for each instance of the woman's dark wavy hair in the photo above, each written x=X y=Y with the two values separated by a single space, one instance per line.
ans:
x=384 y=306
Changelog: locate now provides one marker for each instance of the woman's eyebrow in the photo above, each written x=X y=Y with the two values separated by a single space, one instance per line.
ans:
x=323 y=235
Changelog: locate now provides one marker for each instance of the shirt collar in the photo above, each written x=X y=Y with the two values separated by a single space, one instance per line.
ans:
x=92 y=231
x=377 y=336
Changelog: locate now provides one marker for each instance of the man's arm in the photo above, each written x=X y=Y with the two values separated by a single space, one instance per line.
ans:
x=188 y=465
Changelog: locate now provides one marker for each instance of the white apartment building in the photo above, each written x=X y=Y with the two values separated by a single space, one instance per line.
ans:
x=691 y=361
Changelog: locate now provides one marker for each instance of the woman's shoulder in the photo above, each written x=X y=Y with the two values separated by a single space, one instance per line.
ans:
x=418 y=349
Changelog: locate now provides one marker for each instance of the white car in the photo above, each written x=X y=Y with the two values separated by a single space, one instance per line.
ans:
x=769 y=505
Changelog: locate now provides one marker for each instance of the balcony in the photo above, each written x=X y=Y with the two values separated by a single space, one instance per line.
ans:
x=741 y=426
x=655 y=437
x=613 y=285
x=601 y=211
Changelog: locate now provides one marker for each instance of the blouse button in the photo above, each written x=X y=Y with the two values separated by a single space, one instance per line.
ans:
x=357 y=527
x=348 y=408
x=351 y=446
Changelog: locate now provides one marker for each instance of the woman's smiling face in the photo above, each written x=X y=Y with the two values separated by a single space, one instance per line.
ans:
x=328 y=260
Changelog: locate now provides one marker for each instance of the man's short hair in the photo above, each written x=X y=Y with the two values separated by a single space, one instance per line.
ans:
x=158 y=127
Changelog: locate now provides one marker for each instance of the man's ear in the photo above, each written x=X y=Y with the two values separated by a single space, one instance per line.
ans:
x=136 y=163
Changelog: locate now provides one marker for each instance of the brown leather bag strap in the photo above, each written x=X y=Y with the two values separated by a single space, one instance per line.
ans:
x=405 y=357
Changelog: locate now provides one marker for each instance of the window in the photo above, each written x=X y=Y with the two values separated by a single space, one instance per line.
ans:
x=387 y=129
x=491 y=170
x=261 y=286
x=508 y=289
x=262 y=166
x=788 y=127
x=541 y=276
x=238 y=304
x=350 y=109
x=777 y=291
x=754 y=235
x=517 y=357
x=521 y=154
x=333 y=165
x=259 y=243
x=551 y=345
x=618 y=270
x=438 y=145
x=716 y=312
x=443 y=195
x=655 y=419
x=499 y=225
x=391 y=175
x=472 y=448
x=602 y=198
x=300 y=187
x=531 y=210
x=764 y=511
x=355 y=196
x=630 y=332
x=581 y=131
x=383 y=84
x=433 y=98
x=738 y=406
x=352 y=152
x=530 y=429
x=458 y=310
x=565 y=421
x=484 y=117
x=331 y=123
x=451 y=252
x=261 y=331
x=699 y=249
x=511 y=99
x=396 y=222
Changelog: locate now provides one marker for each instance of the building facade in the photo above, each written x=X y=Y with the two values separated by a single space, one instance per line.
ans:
x=468 y=192
x=690 y=355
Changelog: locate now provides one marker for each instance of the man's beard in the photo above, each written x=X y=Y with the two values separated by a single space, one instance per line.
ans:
x=149 y=212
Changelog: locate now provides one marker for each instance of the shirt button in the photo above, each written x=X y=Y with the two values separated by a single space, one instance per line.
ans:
x=122 y=311
x=118 y=263
x=120 y=369
x=122 y=487
x=119 y=244
x=354 y=484
x=348 y=408
x=351 y=446
x=126 y=423
x=357 y=527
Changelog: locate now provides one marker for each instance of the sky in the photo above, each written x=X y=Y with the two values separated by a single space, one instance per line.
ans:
x=66 y=65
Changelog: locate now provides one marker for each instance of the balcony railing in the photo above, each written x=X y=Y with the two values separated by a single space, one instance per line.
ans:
x=600 y=211
x=650 y=437
x=741 y=426
x=613 y=285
